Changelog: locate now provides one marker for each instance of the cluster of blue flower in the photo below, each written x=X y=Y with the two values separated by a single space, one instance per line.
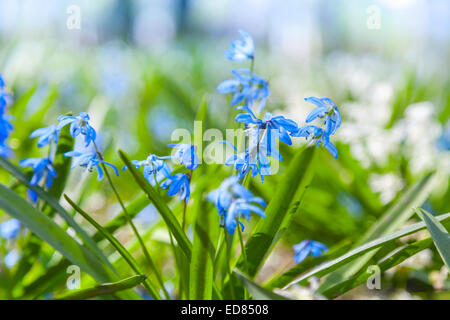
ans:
x=250 y=92
x=5 y=124
x=43 y=169
x=156 y=171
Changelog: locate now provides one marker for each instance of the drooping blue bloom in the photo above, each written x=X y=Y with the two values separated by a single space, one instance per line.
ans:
x=178 y=183
x=185 y=154
x=11 y=258
x=246 y=86
x=443 y=142
x=327 y=111
x=89 y=161
x=46 y=135
x=5 y=97
x=234 y=201
x=307 y=247
x=78 y=124
x=5 y=127
x=154 y=167
x=10 y=229
x=42 y=169
x=241 y=50
x=318 y=136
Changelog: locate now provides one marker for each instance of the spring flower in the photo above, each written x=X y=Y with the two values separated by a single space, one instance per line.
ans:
x=234 y=201
x=10 y=229
x=78 y=124
x=247 y=87
x=306 y=247
x=242 y=162
x=89 y=161
x=241 y=50
x=46 y=135
x=318 y=136
x=443 y=142
x=327 y=111
x=42 y=169
x=11 y=258
x=154 y=167
x=5 y=127
x=178 y=183
x=185 y=154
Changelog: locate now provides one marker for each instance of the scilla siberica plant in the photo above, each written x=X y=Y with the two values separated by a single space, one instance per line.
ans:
x=232 y=200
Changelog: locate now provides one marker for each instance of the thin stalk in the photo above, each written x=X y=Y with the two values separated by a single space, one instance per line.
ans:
x=227 y=262
x=183 y=220
x=244 y=254
x=130 y=221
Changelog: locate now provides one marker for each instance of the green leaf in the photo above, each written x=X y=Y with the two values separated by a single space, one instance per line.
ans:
x=357 y=252
x=292 y=185
x=394 y=218
x=170 y=219
x=104 y=289
x=88 y=241
x=441 y=237
x=118 y=246
x=257 y=292
x=50 y=232
x=392 y=261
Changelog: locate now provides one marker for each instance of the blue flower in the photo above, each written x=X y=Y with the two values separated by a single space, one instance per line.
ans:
x=185 y=154
x=318 y=136
x=443 y=142
x=5 y=127
x=178 y=183
x=234 y=201
x=306 y=247
x=153 y=167
x=42 y=169
x=11 y=258
x=78 y=124
x=89 y=161
x=327 y=111
x=46 y=135
x=241 y=50
x=246 y=86
x=10 y=229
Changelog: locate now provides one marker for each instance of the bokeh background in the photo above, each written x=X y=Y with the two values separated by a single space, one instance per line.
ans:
x=142 y=68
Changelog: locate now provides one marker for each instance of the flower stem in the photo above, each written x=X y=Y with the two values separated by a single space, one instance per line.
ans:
x=227 y=262
x=130 y=221
x=244 y=254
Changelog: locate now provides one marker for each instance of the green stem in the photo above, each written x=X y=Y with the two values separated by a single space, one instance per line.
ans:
x=244 y=254
x=227 y=262
x=130 y=221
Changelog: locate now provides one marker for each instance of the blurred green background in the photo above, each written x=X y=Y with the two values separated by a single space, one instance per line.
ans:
x=142 y=68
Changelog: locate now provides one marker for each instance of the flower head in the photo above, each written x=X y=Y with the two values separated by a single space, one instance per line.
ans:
x=10 y=229
x=327 y=111
x=307 y=247
x=178 y=183
x=89 y=161
x=11 y=258
x=46 y=135
x=234 y=201
x=318 y=136
x=241 y=50
x=185 y=154
x=154 y=168
x=42 y=169
x=78 y=125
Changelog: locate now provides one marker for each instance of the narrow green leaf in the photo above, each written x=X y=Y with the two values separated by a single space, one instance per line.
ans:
x=257 y=292
x=267 y=231
x=357 y=252
x=117 y=245
x=170 y=219
x=440 y=236
x=104 y=289
x=88 y=241
x=392 y=220
x=50 y=232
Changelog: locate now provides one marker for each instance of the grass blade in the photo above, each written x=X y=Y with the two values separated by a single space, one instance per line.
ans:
x=163 y=209
x=441 y=237
x=257 y=292
x=104 y=289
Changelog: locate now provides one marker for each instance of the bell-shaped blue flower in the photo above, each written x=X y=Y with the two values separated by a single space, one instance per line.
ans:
x=5 y=127
x=10 y=229
x=178 y=183
x=154 y=168
x=318 y=136
x=11 y=258
x=185 y=154
x=42 y=170
x=307 y=247
x=241 y=50
x=326 y=110
x=46 y=135
x=78 y=125
x=89 y=161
